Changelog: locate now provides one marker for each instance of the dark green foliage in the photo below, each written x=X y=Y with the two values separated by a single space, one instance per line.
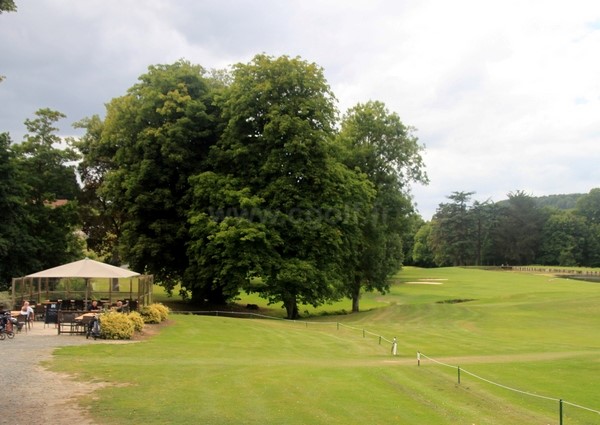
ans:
x=377 y=144
x=14 y=238
x=588 y=206
x=561 y=202
x=101 y=219
x=563 y=239
x=516 y=231
x=153 y=139
x=7 y=6
x=422 y=249
x=452 y=231
x=36 y=233
x=277 y=204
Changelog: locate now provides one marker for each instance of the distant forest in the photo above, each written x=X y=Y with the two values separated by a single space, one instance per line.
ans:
x=550 y=230
x=561 y=202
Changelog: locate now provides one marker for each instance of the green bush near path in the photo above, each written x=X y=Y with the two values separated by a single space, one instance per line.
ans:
x=116 y=325
x=530 y=332
x=154 y=313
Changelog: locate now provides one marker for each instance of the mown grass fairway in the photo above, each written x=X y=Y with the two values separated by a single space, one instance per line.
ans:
x=533 y=333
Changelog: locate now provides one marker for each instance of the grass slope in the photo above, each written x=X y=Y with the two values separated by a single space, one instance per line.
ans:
x=530 y=332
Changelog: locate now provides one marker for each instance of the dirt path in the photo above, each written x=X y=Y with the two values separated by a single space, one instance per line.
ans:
x=32 y=394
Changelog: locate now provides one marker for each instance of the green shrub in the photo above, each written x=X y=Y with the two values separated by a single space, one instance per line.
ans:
x=5 y=301
x=137 y=320
x=115 y=325
x=150 y=314
x=163 y=311
x=154 y=313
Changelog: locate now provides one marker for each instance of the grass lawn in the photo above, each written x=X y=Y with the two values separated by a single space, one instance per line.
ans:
x=533 y=333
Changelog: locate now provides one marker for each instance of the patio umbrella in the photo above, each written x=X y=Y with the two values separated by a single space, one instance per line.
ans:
x=85 y=268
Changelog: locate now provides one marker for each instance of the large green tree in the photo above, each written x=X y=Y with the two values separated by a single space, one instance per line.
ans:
x=152 y=140
x=588 y=207
x=277 y=204
x=46 y=160
x=563 y=239
x=423 y=255
x=45 y=166
x=518 y=231
x=101 y=218
x=452 y=234
x=484 y=215
x=378 y=145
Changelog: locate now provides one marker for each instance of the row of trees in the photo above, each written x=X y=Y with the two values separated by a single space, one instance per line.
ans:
x=247 y=180
x=517 y=231
x=223 y=181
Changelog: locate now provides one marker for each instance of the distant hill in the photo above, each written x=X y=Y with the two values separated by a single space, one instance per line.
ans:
x=561 y=202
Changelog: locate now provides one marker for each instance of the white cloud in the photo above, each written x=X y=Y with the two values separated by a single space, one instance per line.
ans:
x=504 y=94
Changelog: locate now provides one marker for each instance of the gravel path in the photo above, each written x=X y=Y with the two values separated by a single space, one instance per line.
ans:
x=32 y=394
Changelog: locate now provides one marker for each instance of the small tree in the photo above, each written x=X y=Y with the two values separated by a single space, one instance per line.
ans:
x=44 y=164
x=378 y=145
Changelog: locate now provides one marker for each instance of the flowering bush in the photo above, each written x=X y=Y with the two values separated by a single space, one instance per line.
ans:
x=137 y=320
x=115 y=325
x=154 y=313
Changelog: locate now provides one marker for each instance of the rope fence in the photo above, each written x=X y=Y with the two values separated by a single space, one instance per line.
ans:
x=262 y=316
x=394 y=346
x=560 y=401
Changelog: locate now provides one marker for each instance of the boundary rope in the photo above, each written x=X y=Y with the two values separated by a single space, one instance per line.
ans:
x=245 y=313
x=419 y=355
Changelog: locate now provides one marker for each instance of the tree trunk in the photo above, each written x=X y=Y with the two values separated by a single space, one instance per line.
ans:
x=209 y=296
x=355 y=301
x=291 y=307
x=356 y=295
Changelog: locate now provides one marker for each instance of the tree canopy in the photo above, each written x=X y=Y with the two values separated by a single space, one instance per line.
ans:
x=377 y=144
x=37 y=232
x=7 y=6
x=152 y=140
x=276 y=187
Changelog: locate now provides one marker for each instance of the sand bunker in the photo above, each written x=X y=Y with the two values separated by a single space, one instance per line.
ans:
x=427 y=282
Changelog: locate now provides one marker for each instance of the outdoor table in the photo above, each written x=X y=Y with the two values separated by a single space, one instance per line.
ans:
x=85 y=319
x=84 y=315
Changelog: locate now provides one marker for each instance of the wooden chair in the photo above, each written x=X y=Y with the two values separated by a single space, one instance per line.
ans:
x=30 y=319
x=66 y=322
x=40 y=312
x=22 y=322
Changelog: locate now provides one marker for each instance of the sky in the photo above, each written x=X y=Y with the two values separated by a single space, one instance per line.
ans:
x=503 y=95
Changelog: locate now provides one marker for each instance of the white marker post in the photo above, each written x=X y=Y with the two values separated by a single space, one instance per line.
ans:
x=394 y=347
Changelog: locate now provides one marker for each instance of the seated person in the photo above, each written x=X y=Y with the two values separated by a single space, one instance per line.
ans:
x=26 y=310
x=93 y=306
x=122 y=308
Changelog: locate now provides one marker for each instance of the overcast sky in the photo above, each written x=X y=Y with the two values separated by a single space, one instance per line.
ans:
x=505 y=95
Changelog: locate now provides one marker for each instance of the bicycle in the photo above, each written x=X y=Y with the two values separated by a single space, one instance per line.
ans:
x=7 y=326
